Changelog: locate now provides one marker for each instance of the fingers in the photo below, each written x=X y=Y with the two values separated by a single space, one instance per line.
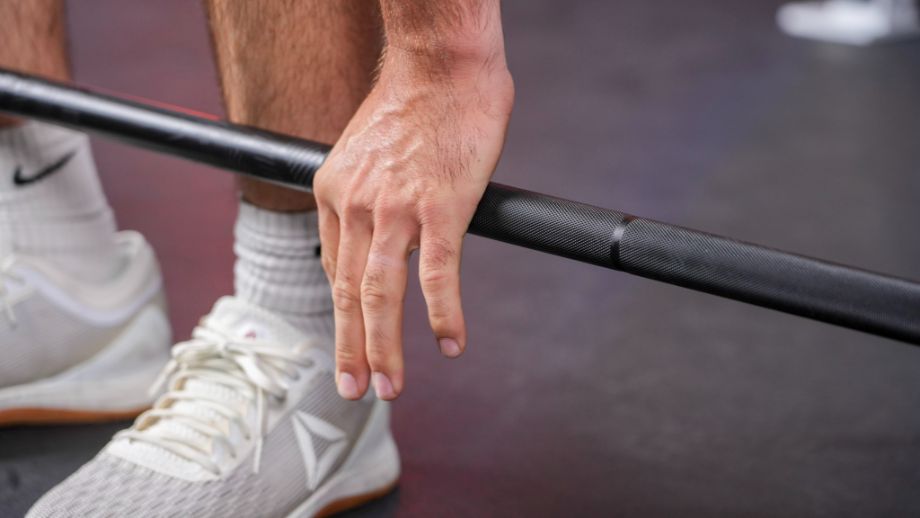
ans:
x=352 y=375
x=383 y=292
x=366 y=260
x=439 y=274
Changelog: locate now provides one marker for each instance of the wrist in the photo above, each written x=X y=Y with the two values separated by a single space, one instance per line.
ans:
x=431 y=48
x=444 y=38
x=489 y=86
x=455 y=63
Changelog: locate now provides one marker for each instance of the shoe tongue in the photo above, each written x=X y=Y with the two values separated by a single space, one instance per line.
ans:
x=241 y=320
x=247 y=321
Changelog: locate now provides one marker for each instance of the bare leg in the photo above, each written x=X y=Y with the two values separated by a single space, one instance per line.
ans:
x=34 y=40
x=296 y=67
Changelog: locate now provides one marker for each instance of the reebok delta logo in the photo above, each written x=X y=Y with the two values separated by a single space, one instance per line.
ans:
x=308 y=428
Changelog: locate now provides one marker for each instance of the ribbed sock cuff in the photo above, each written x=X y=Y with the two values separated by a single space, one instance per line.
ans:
x=278 y=266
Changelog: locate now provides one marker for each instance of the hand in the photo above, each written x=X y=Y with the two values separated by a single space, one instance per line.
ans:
x=406 y=174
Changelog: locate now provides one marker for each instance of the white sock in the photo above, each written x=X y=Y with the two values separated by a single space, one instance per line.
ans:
x=52 y=204
x=278 y=268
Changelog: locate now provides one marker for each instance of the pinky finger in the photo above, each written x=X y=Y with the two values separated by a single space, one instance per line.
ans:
x=329 y=241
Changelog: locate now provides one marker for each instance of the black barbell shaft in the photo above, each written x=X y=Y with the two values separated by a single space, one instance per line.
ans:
x=820 y=290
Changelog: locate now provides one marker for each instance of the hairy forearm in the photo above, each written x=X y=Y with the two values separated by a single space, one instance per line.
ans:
x=445 y=35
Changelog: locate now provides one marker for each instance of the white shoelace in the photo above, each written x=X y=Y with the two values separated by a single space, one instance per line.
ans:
x=252 y=368
x=6 y=300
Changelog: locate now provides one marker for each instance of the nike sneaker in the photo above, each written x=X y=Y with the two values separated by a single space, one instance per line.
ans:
x=250 y=425
x=77 y=352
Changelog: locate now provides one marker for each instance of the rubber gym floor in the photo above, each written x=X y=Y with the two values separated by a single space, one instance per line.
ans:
x=586 y=392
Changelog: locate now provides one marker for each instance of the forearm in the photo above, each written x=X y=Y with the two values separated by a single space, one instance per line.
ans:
x=454 y=37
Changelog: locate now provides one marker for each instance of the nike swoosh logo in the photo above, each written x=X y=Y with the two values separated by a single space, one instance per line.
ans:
x=20 y=180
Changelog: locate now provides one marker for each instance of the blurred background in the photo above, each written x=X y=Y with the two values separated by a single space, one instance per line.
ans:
x=584 y=391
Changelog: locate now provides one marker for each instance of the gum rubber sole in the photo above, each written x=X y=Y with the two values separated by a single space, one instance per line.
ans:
x=51 y=416
x=351 y=502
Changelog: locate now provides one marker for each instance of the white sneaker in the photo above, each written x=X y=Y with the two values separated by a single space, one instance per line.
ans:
x=850 y=22
x=75 y=352
x=251 y=425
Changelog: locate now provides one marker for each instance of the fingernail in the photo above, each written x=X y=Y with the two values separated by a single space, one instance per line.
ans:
x=449 y=347
x=348 y=387
x=382 y=386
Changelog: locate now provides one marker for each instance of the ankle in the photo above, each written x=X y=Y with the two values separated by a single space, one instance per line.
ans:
x=278 y=267
x=52 y=204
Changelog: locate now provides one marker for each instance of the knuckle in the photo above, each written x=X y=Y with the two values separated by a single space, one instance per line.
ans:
x=325 y=185
x=374 y=297
x=320 y=183
x=439 y=311
x=388 y=211
x=345 y=298
x=439 y=252
x=352 y=211
x=353 y=206
x=379 y=356
x=431 y=211
x=436 y=278
x=347 y=356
